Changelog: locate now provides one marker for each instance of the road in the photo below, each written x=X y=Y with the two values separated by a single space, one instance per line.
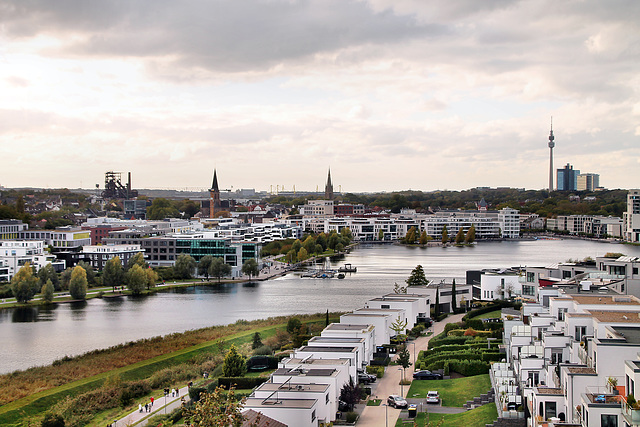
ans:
x=374 y=416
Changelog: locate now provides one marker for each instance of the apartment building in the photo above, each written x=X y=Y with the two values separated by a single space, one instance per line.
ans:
x=631 y=217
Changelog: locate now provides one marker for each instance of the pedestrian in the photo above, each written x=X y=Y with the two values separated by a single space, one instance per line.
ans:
x=151 y=400
x=173 y=392
x=139 y=407
x=177 y=391
x=146 y=407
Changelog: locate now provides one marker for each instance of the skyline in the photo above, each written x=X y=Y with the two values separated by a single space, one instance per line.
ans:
x=390 y=95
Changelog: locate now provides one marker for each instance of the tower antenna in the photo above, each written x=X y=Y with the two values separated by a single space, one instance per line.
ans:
x=551 y=145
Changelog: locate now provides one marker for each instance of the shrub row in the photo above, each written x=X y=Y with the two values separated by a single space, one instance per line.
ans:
x=437 y=342
x=478 y=333
x=378 y=371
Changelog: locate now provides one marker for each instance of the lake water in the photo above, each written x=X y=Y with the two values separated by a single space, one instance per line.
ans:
x=38 y=336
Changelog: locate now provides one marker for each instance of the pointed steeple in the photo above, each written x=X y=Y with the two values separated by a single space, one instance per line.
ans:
x=214 y=185
x=328 y=189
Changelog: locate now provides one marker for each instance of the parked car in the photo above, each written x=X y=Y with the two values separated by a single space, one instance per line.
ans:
x=397 y=401
x=365 y=378
x=433 y=397
x=426 y=375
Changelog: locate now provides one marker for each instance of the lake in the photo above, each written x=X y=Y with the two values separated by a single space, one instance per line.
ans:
x=38 y=336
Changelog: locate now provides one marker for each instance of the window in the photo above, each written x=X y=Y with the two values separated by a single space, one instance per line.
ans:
x=550 y=410
x=581 y=331
x=313 y=416
x=608 y=420
x=561 y=312
x=531 y=277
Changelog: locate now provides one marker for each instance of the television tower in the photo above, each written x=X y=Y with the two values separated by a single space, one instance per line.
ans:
x=551 y=145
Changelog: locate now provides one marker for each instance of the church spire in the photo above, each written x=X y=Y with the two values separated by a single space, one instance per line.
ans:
x=328 y=189
x=214 y=185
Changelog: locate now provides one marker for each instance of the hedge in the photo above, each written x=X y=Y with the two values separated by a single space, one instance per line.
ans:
x=378 y=371
x=496 y=305
x=469 y=367
x=241 y=382
x=433 y=343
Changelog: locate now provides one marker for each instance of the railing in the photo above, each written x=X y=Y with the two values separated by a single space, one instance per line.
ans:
x=631 y=415
x=584 y=357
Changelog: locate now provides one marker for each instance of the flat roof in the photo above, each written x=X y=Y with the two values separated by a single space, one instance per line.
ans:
x=256 y=402
x=581 y=370
x=335 y=339
x=367 y=314
x=606 y=299
x=401 y=299
x=629 y=333
x=348 y=327
x=289 y=386
x=312 y=361
x=319 y=348
x=378 y=309
x=549 y=391
x=317 y=372
x=616 y=316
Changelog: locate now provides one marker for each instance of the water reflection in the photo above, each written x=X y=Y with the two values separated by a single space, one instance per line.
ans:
x=24 y=315
x=77 y=310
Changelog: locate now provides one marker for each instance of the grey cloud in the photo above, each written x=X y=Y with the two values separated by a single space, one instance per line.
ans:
x=226 y=36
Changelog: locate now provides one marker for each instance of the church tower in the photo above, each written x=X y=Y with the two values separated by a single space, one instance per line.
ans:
x=328 y=189
x=214 y=196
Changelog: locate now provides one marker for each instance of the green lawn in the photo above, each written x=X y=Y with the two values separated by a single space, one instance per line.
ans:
x=495 y=314
x=453 y=392
x=478 y=417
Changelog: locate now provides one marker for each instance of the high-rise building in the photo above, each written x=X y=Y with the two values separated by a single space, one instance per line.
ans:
x=631 y=217
x=567 y=178
x=551 y=145
x=588 y=181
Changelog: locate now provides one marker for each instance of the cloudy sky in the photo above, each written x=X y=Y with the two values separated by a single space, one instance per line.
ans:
x=389 y=94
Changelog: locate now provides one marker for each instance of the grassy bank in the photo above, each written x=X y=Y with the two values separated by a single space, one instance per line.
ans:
x=29 y=393
x=453 y=392
x=478 y=417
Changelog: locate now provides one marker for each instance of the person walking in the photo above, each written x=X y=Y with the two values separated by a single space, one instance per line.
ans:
x=139 y=407
x=151 y=401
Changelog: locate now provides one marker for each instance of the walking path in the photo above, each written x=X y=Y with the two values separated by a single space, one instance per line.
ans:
x=159 y=407
x=374 y=416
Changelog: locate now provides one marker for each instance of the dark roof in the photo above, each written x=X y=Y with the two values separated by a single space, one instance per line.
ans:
x=214 y=185
x=256 y=419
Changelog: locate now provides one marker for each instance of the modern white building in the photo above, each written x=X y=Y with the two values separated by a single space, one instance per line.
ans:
x=16 y=253
x=99 y=255
x=631 y=217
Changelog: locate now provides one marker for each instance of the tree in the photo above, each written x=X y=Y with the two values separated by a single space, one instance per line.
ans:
x=113 y=274
x=89 y=272
x=403 y=358
x=65 y=277
x=296 y=245
x=437 y=307
x=471 y=235
x=219 y=268
x=49 y=273
x=302 y=254
x=257 y=341
x=410 y=237
x=294 y=325
x=417 y=277
x=162 y=208
x=423 y=238
x=203 y=266
x=291 y=256
x=78 y=283
x=137 y=259
x=399 y=326
x=453 y=296
x=398 y=289
x=152 y=277
x=381 y=234
x=346 y=233
x=250 y=268
x=136 y=279
x=309 y=244
x=460 y=236
x=47 y=292
x=350 y=393
x=339 y=247
x=234 y=363
x=52 y=420
x=24 y=284
x=322 y=241
x=217 y=409
x=184 y=266
x=445 y=235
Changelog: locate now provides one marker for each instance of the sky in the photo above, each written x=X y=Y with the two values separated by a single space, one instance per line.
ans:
x=388 y=94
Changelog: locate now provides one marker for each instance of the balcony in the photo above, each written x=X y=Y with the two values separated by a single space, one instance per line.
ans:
x=630 y=413
x=584 y=357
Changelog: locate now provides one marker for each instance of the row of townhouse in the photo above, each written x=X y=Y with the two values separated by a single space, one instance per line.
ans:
x=571 y=359
x=305 y=389
x=488 y=224
x=593 y=225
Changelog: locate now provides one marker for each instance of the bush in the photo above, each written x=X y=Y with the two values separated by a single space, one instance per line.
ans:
x=378 y=371
x=435 y=342
x=194 y=393
x=469 y=367
x=476 y=324
x=351 y=417
x=380 y=361
x=451 y=326
x=241 y=382
x=263 y=350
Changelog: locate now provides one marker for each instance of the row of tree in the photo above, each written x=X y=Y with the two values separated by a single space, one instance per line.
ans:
x=297 y=250
x=461 y=237
x=136 y=276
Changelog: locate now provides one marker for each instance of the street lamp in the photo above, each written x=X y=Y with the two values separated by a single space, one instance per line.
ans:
x=166 y=392
x=414 y=354
x=401 y=381
x=386 y=417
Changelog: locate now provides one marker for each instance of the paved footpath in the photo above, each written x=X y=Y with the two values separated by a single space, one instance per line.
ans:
x=140 y=418
x=374 y=416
